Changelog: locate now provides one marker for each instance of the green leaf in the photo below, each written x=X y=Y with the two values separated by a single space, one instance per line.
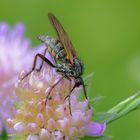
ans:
x=122 y=104
x=102 y=117
x=97 y=138
x=18 y=138
x=95 y=101
x=88 y=81
x=125 y=107
x=103 y=138
x=121 y=109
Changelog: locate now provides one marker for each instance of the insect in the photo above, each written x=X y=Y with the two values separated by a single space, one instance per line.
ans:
x=67 y=62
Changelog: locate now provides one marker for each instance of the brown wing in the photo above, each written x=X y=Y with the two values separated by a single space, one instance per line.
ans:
x=63 y=37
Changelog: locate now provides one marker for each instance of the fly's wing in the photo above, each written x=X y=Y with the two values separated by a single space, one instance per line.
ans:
x=63 y=37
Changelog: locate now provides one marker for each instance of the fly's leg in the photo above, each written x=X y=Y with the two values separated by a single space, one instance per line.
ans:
x=70 y=100
x=68 y=96
x=42 y=62
x=85 y=93
x=77 y=84
x=52 y=87
x=34 y=64
x=70 y=106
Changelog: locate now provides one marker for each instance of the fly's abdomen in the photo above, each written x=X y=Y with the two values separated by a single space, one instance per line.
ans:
x=54 y=47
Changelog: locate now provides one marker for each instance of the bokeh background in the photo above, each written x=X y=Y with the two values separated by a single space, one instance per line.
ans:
x=106 y=36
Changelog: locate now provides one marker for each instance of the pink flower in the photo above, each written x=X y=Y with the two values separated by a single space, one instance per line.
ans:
x=14 y=51
x=51 y=120
x=15 y=54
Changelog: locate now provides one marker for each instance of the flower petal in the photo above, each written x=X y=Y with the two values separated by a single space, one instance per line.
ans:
x=95 y=129
x=4 y=28
x=17 y=32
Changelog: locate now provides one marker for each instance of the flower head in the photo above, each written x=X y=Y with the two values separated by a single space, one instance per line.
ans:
x=39 y=119
x=13 y=49
x=15 y=55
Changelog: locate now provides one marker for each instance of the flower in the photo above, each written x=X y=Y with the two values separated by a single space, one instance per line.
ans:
x=15 y=54
x=13 y=49
x=41 y=119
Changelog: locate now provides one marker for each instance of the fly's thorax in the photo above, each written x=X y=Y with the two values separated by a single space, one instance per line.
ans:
x=69 y=70
x=62 y=68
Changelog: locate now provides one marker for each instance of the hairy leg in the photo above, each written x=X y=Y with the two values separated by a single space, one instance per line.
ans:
x=42 y=62
x=70 y=100
x=35 y=61
x=85 y=93
x=52 y=87
x=81 y=83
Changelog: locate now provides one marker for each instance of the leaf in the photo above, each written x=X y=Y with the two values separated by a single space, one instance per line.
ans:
x=96 y=100
x=18 y=138
x=103 y=138
x=122 y=104
x=102 y=117
x=88 y=81
x=118 y=111
x=88 y=78
x=125 y=107
x=97 y=138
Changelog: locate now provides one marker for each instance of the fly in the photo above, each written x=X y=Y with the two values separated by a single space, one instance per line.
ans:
x=67 y=62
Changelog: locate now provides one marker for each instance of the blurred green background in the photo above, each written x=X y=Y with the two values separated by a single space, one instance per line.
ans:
x=106 y=36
